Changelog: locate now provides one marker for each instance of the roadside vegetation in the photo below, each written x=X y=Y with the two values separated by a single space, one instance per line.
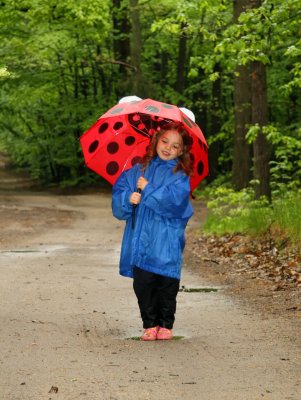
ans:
x=238 y=212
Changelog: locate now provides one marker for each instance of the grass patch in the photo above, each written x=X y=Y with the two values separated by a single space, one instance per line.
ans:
x=237 y=212
x=287 y=217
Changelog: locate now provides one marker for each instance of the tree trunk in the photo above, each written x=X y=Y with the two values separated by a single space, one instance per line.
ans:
x=84 y=84
x=215 y=147
x=164 y=67
x=75 y=78
x=261 y=146
x=94 y=80
x=121 y=35
x=136 y=49
x=62 y=86
x=241 y=165
x=180 y=82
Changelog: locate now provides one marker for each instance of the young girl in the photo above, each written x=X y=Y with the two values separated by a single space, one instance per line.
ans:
x=151 y=252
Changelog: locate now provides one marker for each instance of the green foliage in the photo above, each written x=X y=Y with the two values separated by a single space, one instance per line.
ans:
x=50 y=89
x=58 y=74
x=285 y=168
x=236 y=212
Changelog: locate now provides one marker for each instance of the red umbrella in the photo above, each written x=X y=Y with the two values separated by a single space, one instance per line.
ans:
x=119 y=138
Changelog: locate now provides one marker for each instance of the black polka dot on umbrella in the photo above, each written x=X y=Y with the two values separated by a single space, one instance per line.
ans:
x=136 y=160
x=164 y=105
x=200 y=167
x=129 y=140
x=112 y=147
x=117 y=126
x=93 y=146
x=103 y=127
x=203 y=146
x=112 y=168
x=189 y=141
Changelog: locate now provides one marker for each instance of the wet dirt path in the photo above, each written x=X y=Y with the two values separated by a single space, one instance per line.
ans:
x=66 y=317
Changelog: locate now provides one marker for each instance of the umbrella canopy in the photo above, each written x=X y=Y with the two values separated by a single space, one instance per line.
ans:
x=119 y=138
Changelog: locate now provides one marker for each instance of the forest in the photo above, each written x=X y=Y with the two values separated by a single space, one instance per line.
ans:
x=235 y=64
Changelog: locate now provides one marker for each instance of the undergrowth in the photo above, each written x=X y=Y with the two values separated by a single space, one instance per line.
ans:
x=233 y=212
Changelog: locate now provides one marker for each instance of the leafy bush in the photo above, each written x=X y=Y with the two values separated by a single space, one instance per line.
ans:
x=238 y=212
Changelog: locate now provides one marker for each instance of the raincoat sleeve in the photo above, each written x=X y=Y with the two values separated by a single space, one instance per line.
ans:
x=170 y=200
x=122 y=189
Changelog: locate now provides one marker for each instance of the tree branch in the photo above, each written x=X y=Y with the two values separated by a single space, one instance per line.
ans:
x=109 y=61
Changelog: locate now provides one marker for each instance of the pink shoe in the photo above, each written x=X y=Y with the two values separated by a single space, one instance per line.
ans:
x=150 y=334
x=164 y=334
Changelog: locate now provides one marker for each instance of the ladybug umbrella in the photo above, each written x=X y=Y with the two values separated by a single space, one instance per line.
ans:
x=119 y=138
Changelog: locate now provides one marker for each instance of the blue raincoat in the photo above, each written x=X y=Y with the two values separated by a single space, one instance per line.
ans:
x=157 y=242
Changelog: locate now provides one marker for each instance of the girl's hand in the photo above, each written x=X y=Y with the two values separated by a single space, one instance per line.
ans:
x=141 y=183
x=135 y=198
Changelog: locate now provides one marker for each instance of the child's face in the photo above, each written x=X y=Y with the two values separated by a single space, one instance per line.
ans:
x=170 y=145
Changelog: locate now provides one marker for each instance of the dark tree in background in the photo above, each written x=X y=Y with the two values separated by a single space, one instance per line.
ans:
x=216 y=146
x=241 y=166
x=136 y=50
x=261 y=147
x=121 y=35
x=181 y=70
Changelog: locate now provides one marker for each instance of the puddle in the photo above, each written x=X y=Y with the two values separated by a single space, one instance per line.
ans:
x=138 y=338
x=20 y=251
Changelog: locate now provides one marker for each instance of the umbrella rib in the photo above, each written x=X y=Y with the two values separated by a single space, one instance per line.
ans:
x=127 y=160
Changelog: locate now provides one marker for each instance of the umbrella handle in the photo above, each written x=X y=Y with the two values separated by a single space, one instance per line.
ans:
x=134 y=211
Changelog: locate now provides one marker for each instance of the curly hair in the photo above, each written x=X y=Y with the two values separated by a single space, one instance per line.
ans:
x=185 y=162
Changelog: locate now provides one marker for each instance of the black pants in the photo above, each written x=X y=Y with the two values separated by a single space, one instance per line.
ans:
x=156 y=296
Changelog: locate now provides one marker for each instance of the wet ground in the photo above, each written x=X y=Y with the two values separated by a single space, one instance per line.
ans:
x=68 y=320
